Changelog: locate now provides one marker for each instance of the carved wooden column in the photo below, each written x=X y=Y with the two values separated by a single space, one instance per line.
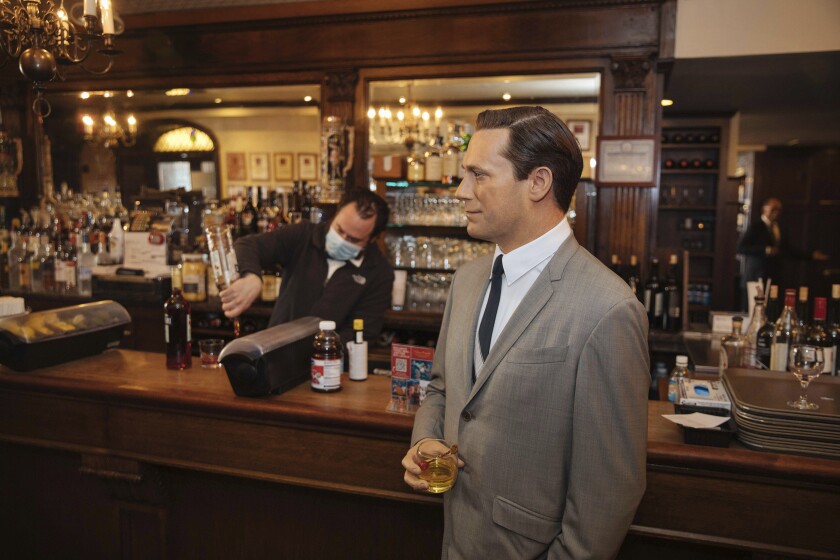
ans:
x=339 y=97
x=626 y=214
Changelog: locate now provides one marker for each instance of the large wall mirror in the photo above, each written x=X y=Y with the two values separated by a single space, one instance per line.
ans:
x=414 y=118
x=217 y=140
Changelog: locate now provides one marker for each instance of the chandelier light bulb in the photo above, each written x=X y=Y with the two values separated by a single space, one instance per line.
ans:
x=415 y=111
x=426 y=116
x=400 y=116
x=402 y=100
x=371 y=113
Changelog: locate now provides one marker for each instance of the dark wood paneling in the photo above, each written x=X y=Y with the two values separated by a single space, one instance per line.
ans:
x=807 y=181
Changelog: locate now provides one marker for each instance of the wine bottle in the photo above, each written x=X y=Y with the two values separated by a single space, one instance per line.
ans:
x=757 y=350
x=774 y=309
x=653 y=295
x=834 y=325
x=802 y=311
x=633 y=278
x=818 y=335
x=785 y=333
x=177 y=326
x=86 y=261
x=672 y=296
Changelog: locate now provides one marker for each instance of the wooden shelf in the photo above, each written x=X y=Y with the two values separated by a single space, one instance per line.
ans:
x=686 y=171
x=687 y=208
x=417 y=320
x=689 y=145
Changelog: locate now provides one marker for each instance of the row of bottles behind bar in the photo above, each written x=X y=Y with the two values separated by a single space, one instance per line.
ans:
x=662 y=297
x=774 y=327
x=55 y=248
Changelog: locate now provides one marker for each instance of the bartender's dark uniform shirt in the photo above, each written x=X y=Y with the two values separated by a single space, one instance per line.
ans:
x=352 y=292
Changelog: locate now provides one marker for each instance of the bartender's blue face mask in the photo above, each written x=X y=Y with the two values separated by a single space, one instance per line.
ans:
x=339 y=248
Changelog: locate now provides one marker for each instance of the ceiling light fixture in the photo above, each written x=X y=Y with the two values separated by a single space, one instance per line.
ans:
x=666 y=102
x=43 y=38
x=506 y=96
x=308 y=98
x=177 y=92
x=109 y=132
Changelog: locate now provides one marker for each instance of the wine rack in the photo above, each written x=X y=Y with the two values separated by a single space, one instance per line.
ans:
x=692 y=174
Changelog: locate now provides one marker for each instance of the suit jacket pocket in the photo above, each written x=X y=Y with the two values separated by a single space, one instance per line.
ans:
x=525 y=522
x=548 y=355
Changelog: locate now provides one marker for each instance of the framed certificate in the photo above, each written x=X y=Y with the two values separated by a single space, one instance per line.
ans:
x=235 y=163
x=626 y=161
x=258 y=166
x=284 y=167
x=307 y=167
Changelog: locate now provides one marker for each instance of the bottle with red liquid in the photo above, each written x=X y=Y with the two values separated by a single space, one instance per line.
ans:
x=177 y=326
x=327 y=359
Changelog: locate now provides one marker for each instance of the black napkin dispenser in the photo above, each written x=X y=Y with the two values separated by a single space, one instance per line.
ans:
x=270 y=361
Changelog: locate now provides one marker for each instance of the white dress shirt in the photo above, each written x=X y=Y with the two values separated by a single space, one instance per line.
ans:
x=522 y=267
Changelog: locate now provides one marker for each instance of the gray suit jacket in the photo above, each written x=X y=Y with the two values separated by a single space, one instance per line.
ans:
x=554 y=432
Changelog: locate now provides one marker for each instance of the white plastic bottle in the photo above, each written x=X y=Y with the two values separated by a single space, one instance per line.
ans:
x=680 y=371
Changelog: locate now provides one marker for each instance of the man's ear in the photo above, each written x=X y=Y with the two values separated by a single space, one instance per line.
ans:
x=539 y=183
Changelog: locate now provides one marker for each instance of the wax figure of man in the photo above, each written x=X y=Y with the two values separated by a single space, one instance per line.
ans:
x=332 y=270
x=546 y=399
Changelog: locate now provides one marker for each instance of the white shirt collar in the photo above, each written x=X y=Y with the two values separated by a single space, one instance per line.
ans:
x=522 y=259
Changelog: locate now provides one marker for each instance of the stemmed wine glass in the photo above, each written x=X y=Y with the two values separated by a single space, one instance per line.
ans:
x=806 y=363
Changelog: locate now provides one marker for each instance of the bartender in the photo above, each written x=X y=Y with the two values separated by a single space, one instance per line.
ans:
x=332 y=270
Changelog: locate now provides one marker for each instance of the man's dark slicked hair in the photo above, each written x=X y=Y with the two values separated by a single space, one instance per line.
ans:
x=368 y=204
x=538 y=138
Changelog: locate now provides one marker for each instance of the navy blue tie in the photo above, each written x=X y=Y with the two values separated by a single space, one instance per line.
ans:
x=485 y=330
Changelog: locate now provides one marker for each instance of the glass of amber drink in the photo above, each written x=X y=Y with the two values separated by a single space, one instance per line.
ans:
x=438 y=464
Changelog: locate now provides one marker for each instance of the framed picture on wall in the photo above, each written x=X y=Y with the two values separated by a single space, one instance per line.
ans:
x=259 y=168
x=583 y=132
x=626 y=161
x=284 y=167
x=307 y=167
x=235 y=162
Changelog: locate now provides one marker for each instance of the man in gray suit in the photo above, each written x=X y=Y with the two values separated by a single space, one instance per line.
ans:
x=541 y=374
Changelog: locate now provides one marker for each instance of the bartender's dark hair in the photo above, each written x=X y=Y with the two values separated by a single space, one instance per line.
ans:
x=538 y=138
x=368 y=204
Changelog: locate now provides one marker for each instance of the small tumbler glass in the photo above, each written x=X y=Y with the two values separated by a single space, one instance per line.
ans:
x=210 y=349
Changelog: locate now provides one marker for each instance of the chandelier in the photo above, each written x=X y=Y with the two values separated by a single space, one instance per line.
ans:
x=408 y=123
x=44 y=39
x=109 y=132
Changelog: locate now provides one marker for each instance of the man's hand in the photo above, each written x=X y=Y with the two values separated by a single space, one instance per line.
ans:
x=240 y=295
x=819 y=256
x=414 y=466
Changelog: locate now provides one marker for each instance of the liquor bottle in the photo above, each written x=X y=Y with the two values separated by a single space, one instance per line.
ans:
x=25 y=263
x=35 y=261
x=68 y=283
x=818 y=335
x=84 y=264
x=4 y=253
x=248 y=216
x=672 y=296
x=450 y=156
x=732 y=347
x=264 y=216
x=653 y=295
x=633 y=278
x=774 y=308
x=434 y=162
x=48 y=266
x=327 y=359
x=116 y=241
x=16 y=254
x=785 y=333
x=177 y=326
x=416 y=162
x=760 y=340
x=615 y=264
x=803 y=314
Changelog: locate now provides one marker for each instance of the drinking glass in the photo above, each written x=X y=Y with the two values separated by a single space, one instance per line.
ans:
x=806 y=363
x=210 y=349
x=438 y=464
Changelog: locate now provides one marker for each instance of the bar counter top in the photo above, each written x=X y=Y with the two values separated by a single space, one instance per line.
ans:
x=122 y=409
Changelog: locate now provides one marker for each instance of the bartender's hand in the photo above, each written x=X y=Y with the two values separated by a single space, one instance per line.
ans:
x=411 y=464
x=241 y=294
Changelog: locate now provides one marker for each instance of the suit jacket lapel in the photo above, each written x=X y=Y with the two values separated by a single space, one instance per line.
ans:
x=539 y=294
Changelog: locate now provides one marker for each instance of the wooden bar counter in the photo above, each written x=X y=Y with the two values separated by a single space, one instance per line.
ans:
x=115 y=457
